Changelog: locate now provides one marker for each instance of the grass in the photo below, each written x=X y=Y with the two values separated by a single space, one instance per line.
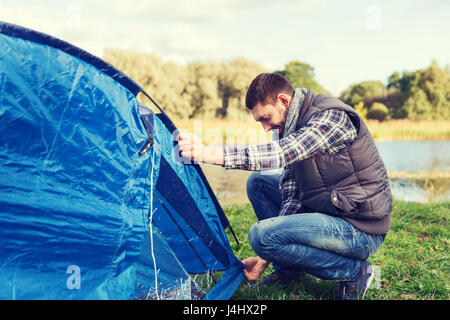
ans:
x=413 y=260
x=248 y=131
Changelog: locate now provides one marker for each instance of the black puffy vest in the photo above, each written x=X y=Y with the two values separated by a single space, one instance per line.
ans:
x=351 y=184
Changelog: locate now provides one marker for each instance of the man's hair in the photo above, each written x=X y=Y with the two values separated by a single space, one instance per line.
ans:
x=265 y=88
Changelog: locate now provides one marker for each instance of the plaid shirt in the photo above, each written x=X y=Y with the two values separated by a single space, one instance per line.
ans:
x=326 y=132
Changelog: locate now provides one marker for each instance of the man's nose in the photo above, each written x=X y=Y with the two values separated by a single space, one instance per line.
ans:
x=266 y=127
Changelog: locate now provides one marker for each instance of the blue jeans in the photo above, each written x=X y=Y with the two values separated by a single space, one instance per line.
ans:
x=325 y=246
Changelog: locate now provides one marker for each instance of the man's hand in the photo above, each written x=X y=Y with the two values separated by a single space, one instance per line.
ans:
x=192 y=147
x=254 y=267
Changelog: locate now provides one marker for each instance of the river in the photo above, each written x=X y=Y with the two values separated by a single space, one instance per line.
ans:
x=419 y=171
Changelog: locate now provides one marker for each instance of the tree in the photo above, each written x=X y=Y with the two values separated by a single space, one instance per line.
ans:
x=392 y=99
x=424 y=93
x=233 y=84
x=378 y=111
x=403 y=81
x=362 y=91
x=156 y=77
x=435 y=83
x=301 y=75
x=361 y=109
x=202 y=88
x=417 y=105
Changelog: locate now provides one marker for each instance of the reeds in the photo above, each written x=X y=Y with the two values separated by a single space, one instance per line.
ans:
x=408 y=130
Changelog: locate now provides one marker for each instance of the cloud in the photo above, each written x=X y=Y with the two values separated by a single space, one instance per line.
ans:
x=188 y=39
x=176 y=10
x=84 y=33
x=32 y=17
x=77 y=24
x=195 y=11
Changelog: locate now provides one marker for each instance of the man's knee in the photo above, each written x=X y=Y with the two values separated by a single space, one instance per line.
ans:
x=252 y=182
x=256 y=236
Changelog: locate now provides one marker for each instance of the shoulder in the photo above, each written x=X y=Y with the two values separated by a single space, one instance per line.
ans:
x=330 y=117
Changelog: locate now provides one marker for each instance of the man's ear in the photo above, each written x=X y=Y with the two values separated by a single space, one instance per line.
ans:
x=284 y=99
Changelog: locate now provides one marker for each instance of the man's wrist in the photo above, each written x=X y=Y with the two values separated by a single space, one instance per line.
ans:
x=230 y=156
x=213 y=155
x=265 y=263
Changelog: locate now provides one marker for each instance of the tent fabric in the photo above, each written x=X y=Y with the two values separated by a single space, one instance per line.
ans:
x=94 y=203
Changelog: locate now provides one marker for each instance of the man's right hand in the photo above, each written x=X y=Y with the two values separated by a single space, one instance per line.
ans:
x=254 y=267
x=191 y=147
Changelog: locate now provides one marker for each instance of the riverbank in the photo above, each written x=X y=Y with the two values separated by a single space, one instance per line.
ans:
x=412 y=261
x=250 y=132
x=428 y=186
x=419 y=175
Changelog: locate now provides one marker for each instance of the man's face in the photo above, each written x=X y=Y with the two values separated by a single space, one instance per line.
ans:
x=272 y=115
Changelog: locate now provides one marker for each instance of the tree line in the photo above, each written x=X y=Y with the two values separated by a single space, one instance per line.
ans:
x=210 y=89
x=417 y=95
x=197 y=90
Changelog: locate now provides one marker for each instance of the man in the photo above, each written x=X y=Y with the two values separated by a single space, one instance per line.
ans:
x=330 y=208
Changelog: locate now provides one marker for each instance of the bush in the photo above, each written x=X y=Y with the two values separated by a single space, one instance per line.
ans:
x=378 y=111
x=361 y=109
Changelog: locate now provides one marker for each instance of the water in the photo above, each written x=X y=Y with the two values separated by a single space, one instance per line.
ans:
x=417 y=157
x=431 y=190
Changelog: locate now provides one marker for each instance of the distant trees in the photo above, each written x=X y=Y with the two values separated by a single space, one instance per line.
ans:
x=360 y=91
x=233 y=83
x=217 y=89
x=202 y=89
x=429 y=95
x=197 y=90
x=419 y=95
x=166 y=82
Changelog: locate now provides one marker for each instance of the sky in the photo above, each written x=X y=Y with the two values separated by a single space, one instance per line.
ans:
x=345 y=41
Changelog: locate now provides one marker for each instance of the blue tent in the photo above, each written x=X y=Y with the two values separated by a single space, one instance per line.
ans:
x=94 y=203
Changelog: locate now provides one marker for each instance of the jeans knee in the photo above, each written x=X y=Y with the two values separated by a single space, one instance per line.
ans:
x=252 y=182
x=254 y=236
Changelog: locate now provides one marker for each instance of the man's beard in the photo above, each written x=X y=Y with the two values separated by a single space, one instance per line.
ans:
x=277 y=131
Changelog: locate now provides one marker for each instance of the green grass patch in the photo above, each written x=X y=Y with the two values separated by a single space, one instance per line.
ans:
x=413 y=260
